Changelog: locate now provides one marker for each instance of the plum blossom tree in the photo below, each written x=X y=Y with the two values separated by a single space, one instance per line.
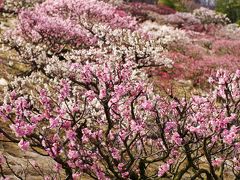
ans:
x=109 y=124
x=92 y=30
x=86 y=102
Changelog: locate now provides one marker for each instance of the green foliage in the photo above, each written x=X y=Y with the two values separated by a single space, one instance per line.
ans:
x=238 y=22
x=174 y=4
x=229 y=7
x=169 y=3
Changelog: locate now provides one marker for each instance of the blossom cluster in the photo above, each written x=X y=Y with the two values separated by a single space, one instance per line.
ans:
x=181 y=18
x=166 y=35
x=186 y=21
x=231 y=31
x=200 y=20
x=201 y=57
x=66 y=21
x=144 y=11
x=208 y=16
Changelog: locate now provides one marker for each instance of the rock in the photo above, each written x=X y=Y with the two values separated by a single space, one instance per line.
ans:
x=28 y=164
x=3 y=82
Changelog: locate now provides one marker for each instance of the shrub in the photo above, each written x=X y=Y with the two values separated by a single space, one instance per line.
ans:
x=181 y=18
x=230 y=31
x=144 y=11
x=167 y=36
x=207 y=16
x=200 y=58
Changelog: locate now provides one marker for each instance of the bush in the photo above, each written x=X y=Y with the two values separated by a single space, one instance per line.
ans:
x=144 y=11
x=207 y=16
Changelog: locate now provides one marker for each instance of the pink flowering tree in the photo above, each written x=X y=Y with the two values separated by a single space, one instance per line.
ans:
x=80 y=31
x=70 y=21
x=107 y=123
x=86 y=103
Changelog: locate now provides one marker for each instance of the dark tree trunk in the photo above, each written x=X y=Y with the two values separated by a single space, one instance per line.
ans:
x=207 y=3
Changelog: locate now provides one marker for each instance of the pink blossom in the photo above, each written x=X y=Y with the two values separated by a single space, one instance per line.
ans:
x=23 y=129
x=115 y=154
x=1 y=4
x=103 y=93
x=170 y=126
x=125 y=174
x=36 y=118
x=176 y=138
x=66 y=124
x=47 y=178
x=147 y=105
x=54 y=150
x=123 y=134
x=6 y=178
x=76 y=176
x=71 y=135
x=238 y=73
x=2 y=159
x=163 y=169
x=24 y=145
x=120 y=167
x=72 y=154
x=229 y=136
x=90 y=95
x=64 y=89
x=7 y=108
x=57 y=167
x=54 y=122
x=217 y=162
x=137 y=126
